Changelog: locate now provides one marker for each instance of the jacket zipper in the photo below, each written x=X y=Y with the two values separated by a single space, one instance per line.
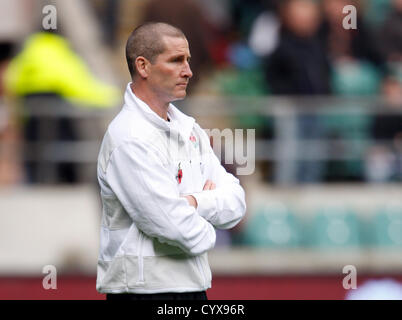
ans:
x=197 y=258
x=140 y=260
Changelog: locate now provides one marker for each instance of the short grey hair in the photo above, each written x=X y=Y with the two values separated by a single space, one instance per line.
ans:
x=147 y=41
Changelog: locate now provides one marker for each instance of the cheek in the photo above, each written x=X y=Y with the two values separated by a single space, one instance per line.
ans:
x=167 y=77
x=162 y=81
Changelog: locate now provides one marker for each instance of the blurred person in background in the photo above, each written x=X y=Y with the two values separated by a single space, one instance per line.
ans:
x=299 y=66
x=357 y=63
x=358 y=68
x=384 y=158
x=390 y=39
x=264 y=34
x=390 y=34
x=47 y=67
x=163 y=189
x=383 y=161
x=10 y=171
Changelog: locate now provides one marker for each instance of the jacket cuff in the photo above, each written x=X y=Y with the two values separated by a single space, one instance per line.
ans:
x=206 y=204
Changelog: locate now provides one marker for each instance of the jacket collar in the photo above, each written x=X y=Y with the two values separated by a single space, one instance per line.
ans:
x=180 y=124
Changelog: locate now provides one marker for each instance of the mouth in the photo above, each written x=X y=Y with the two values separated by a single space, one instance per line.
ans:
x=182 y=84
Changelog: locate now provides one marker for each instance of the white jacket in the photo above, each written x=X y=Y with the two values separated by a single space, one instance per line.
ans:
x=151 y=239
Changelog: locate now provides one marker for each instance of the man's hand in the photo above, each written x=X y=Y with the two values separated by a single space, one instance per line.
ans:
x=191 y=201
x=209 y=185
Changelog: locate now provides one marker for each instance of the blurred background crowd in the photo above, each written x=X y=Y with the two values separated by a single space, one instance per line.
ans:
x=325 y=103
x=255 y=49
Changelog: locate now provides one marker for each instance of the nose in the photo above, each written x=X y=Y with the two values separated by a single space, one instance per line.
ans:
x=186 y=72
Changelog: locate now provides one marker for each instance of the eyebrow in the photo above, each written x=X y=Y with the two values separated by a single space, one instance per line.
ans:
x=179 y=56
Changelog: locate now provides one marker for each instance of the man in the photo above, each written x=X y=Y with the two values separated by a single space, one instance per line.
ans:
x=163 y=189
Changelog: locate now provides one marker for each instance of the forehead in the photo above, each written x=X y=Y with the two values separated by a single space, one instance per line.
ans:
x=175 y=45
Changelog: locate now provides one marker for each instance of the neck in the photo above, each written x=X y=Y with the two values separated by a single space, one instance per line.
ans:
x=151 y=99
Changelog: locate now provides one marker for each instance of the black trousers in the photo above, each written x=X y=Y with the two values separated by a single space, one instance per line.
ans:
x=202 y=295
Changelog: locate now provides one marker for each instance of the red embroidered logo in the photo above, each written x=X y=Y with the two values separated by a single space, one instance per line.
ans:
x=179 y=174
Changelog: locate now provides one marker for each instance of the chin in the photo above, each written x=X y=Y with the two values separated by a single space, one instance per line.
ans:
x=180 y=96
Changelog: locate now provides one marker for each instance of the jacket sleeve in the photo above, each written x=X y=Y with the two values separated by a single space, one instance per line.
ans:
x=150 y=196
x=224 y=206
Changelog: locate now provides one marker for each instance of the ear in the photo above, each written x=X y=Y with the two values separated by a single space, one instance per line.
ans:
x=141 y=64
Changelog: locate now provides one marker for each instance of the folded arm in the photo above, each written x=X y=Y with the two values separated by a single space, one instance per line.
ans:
x=224 y=206
x=150 y=196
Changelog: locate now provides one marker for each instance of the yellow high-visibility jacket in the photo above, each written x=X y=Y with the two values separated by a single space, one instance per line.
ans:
x=48 y=64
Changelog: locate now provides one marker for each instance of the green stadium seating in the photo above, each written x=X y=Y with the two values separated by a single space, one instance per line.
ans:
x=366 y=228
x=356 y=78
x=241 y=82
x=335 y=227
x=271 y=226
x=387 y=226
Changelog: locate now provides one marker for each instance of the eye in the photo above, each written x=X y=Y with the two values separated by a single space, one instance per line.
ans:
x=177 y=59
